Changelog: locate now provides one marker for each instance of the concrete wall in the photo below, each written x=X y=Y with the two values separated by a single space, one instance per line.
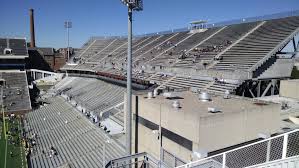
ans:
x=289 y=88
x=220 y=131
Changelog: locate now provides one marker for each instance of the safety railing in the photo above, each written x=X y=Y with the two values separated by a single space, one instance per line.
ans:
x=138 y=160
x=275 y=148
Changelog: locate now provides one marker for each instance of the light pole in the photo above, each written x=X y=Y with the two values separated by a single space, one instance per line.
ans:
x=2 y=109
x=68 y=25
x=137 y=6
x=107 y=141
x=159 y=132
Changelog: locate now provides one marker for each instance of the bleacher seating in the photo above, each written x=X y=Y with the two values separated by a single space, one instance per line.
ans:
x=249 y=51
x=217 y=43
x=165 y=52
x=106 y=51
x=150 y=46
x=180 y=82
x=221 y=87
x=93 y=48
x=95 y=95
x=77 y=142
x=239 y=48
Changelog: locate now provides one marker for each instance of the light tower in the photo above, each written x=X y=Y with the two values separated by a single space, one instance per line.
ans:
x=136 y=5
x=68 y=25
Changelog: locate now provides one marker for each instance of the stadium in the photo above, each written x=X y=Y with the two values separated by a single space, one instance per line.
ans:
x=209 y=95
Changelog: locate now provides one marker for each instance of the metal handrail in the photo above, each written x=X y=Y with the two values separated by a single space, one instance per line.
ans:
x=284 y=135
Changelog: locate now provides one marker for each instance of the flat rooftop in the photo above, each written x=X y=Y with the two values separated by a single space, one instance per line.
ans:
x=190 y=103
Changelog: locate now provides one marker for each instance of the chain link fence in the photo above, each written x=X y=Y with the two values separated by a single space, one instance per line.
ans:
x=279 y=147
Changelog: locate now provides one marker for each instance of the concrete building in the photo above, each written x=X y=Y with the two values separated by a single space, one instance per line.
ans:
x=289 y=89
x=199 y=126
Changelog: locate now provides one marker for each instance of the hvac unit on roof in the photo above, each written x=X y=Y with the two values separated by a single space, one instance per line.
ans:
x=213 y=110
x=170 y=94
x=176 y=104
x=194 y=89
x=204 y=96
x=226 y=94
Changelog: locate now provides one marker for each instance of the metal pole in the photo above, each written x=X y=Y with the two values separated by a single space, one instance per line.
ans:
x=104 y=152
x=68 y=42
x=160 y=138
x=285 y=146
x=129 y=84
x=2 y=109
x=224 y=160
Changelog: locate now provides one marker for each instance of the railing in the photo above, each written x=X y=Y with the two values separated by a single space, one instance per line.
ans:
x=171 y=159
x=139 y=160
x=275 y=148
x=289 y=162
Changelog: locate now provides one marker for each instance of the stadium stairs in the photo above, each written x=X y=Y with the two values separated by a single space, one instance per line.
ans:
x=281 y=68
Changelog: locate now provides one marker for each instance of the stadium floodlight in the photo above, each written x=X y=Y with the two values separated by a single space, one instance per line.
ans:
x=136 y=5
x=68 y=25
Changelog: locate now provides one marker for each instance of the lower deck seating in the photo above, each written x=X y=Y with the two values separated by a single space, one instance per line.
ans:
x=95 y=95
x=220 y=88
x=77 y=142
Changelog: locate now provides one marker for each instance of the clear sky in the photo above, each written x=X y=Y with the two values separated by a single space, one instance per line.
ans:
x=109 y=17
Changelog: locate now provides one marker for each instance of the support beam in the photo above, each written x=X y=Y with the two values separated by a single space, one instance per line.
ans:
x=259 y=88
x=34 y=77
x=251 y=93
x=273 y=81
x=267 y=89
x=294 y=44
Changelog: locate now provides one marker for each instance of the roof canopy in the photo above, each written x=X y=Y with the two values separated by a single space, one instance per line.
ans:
x=198 y=22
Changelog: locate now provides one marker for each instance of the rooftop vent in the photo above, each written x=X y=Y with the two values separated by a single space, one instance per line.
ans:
x=176 y=104
x=199 y=154
x=204 y=96
x=150 y=95
x=226 y=94
x=194 y=90
x=213 y=110
x=171 y=94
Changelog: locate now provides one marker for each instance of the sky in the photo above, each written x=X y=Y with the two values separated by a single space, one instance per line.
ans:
x=109 y=17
